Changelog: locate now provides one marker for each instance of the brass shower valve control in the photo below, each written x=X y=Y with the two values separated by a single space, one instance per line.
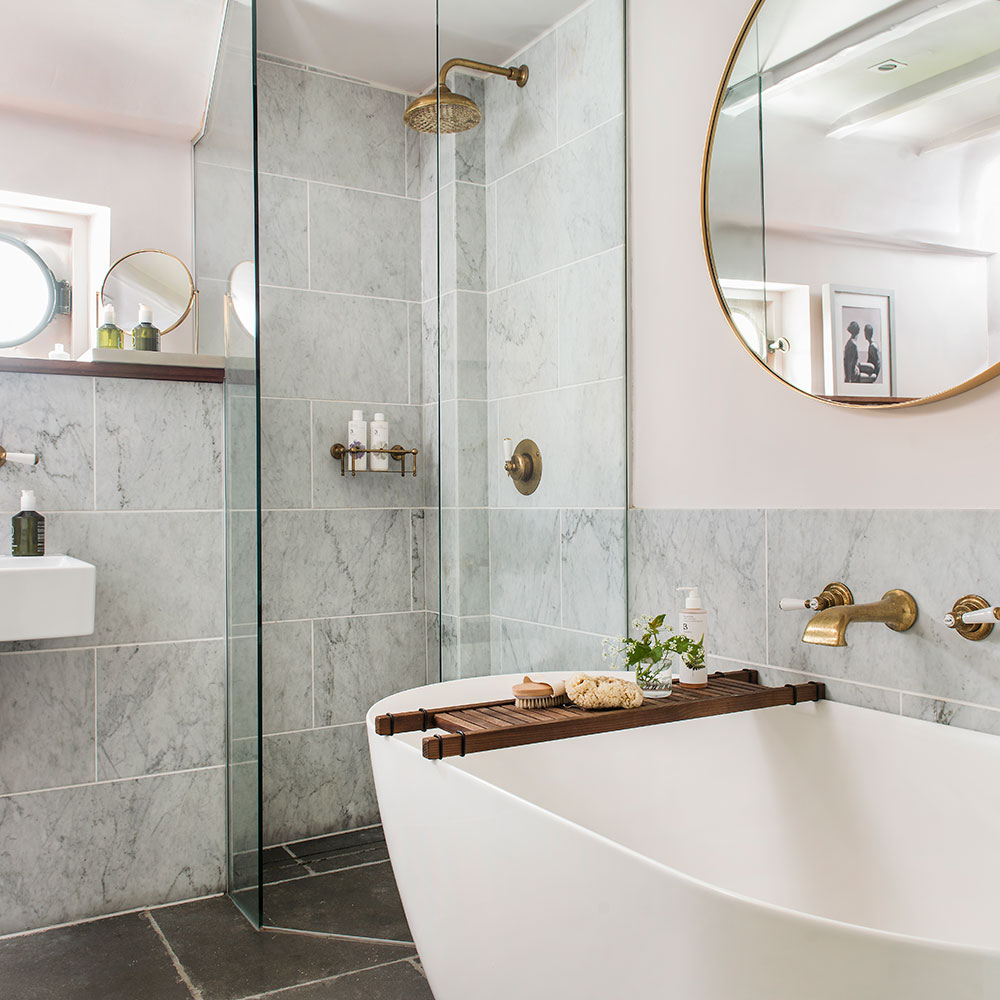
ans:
x=972 y=617
x=523 y=464
x=833 y=595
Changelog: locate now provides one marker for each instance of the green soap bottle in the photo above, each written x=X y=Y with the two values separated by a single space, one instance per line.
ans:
x=108 y=333
x=27 y=529
x=146 y=337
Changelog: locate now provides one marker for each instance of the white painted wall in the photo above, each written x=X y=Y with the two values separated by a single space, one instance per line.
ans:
x=760 y=443
x=145 y=181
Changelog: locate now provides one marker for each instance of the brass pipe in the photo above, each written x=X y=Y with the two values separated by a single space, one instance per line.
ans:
x=519 y=74
x=897 y=610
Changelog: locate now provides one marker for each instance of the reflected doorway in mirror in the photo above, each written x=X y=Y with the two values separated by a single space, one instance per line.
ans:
x=858 y=352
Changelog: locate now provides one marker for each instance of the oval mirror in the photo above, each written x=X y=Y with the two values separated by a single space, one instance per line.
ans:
x=850 y=209
x=152 y=278
x=27 y=292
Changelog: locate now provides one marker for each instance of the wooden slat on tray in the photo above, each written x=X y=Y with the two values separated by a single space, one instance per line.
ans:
x=492 y=725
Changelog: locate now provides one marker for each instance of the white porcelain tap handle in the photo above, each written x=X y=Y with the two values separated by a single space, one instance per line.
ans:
x=985 y=616
x=797 y=604
x=508 y=449
x=22 y=458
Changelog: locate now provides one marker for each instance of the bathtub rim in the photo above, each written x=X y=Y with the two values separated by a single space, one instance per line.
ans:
x=965 y=950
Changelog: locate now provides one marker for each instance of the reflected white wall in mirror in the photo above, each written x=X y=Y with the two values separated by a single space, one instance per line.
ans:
x=858 y=146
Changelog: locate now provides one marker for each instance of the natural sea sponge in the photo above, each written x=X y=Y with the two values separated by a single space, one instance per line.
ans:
x=586 y=691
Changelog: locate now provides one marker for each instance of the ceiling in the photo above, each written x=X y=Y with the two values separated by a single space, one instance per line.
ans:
x=821 y=69
x=392 y=42
x=142 y=65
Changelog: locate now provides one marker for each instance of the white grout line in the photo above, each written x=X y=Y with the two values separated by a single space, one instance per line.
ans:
x=96 y=742
x=196 y=993
x=107 y=645
x=93 y=471
x=343 y=295
x=306 y=840
x=331 y=979
x=312 y=675
x=309 y=278
x=349 y=187
x=316 y=729
x=333 y=871
x=111 y=781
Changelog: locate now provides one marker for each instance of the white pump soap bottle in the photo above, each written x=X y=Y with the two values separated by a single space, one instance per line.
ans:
x=693 y=623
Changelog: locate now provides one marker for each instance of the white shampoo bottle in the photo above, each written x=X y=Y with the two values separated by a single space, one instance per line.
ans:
x=693 y=623
x=357 y=437
x=380 y=439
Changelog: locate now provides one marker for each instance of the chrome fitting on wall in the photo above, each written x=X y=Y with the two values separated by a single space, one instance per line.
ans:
x=972 y=617
x=523 y=464
x=832 y=595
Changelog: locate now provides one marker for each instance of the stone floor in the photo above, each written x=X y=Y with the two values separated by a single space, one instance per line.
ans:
x=207 y=950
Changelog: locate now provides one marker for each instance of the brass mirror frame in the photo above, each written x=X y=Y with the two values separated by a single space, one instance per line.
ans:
x=192 y=299
x=977 y=380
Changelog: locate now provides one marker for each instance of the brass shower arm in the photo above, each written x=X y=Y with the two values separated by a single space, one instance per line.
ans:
x=519 y=74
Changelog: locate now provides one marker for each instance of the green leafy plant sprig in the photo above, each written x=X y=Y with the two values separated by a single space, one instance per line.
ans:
x=649 y=654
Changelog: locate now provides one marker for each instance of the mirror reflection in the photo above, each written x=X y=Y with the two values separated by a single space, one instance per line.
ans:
x=150 y=278
x=851 y=218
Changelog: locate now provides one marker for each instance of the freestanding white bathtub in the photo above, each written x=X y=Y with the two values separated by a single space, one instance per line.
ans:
x=798 y=853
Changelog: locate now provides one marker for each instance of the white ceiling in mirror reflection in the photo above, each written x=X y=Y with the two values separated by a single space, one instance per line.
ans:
x=824 y=54
x=141 y=65
x=392 y=42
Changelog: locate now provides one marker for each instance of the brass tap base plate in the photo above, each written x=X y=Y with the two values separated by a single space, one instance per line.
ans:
x=908 y=610
x=971 y=602
x=839 y=594
x=528 y=485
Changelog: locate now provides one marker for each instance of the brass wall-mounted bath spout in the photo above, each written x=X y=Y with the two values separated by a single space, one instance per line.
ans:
x=897 y=610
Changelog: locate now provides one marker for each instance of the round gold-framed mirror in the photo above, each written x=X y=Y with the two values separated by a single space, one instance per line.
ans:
x=849 y=214
x=154 y=278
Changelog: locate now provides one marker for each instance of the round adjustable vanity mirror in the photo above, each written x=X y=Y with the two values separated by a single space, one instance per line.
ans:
x=850 y=214
x=153 y=278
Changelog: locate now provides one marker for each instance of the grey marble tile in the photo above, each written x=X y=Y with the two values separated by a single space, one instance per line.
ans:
x=241 y=568
x=875 y=551
x=321 y=346
x=433 y=647
x=368 y=488
x=950 y=713
x=181 y=422
x=433 y=556
x=223 y=218
x=364 y=244
x=720 y=551
x=470 y=146
x=78 y=852
x=449 y=652
x=414 y=313
x=431 y=454
x=470 y=455
x=523 y=337
x=159 y=574
x=320 y=563
x=474 y=646
x=524 y=647
x=570 y=427
x=860 y=695
x=52 y=416
x=160 y=707
x=450 y=568
x=437 y=159
x=491 y=237
x=240 y=464
x=524 y=565
x=438 y=242
x=363 y=659
x=593 y=570
x=473 y=582
x=521 y=121
x=544 y=200
x=229 y=136
x=211 y=317
x=417 y=550
x=286 y=461
x=449 y=459
x=317 y=782
x=592 y=318
x=440 y=348
x=243 y=788
x=413 y=163
x=470 y=237
x=327 y=129
x=242 y=694
x=470 y=345
x=284 y=231
x=287 y=695
x=591 y=83
x=46 y=719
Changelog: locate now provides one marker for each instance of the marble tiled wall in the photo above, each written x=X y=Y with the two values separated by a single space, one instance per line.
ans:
x=341 y=293
x=745 y=561
x=555 y=287
x=112 y=786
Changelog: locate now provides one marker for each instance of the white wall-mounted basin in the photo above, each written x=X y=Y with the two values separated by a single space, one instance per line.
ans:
x=42 y=597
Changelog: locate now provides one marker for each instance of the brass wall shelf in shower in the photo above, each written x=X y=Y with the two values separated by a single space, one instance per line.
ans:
x=397 y=453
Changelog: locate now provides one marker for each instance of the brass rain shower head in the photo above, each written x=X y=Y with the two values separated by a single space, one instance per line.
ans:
x=445 y=111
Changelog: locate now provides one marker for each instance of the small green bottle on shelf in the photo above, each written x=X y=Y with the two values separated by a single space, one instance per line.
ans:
x=27 y=529
x=146 y=337
x=109 y=334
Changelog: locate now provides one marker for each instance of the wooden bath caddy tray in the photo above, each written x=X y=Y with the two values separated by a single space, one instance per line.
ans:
x=491 y=725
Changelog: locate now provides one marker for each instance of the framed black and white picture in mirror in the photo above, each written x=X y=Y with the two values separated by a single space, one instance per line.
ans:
x=858 y=333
